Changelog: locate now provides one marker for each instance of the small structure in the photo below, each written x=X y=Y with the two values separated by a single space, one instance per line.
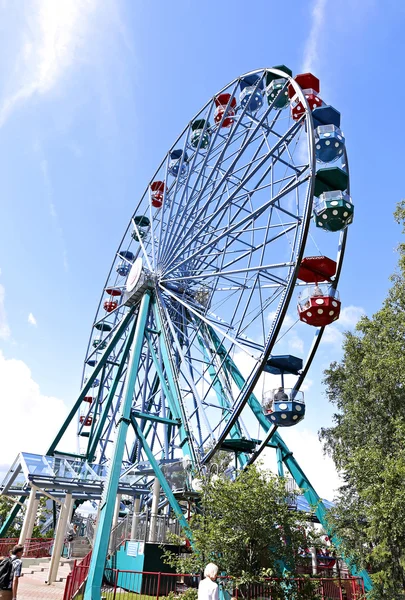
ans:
x=142 y=224
x=124 y=266
x=276 y=88
x=200 y=137
x=157 y=189
x=284 y=407
x=318 y=305
x=251 y=94
x=224 y=104
x=333 y=208
x=329 y=139
x=310 y=87
x=178 y=162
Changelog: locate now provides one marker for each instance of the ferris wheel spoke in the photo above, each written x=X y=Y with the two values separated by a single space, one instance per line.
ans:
x=206 y=320
x=187 y=377
x=288 y=188
x=249 y=137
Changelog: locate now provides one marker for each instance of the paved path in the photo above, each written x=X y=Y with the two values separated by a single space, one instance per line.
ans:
x=32 y=584
x=30 y=588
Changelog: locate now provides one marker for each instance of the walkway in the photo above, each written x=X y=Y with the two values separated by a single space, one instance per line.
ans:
x=32 y=584
x=30 y=588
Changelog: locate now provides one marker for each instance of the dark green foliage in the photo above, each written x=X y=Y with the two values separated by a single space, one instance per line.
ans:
x=367 y=439
x=247 y=529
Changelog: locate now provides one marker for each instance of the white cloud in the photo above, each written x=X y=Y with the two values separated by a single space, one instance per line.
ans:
x=53 y=40
x=311 y=47
x=32 y=320
x=34 y=418
x=332 y=335
x=350 y=315
x=4 y=327
x=307 y=449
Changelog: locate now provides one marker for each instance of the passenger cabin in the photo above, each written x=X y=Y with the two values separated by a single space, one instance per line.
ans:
x=124 y=267
x=110 y=305
x=102 y=326
x=318 y=305
x=178 y=162
x=333 y=207
x=113 y=292
x=310 y=87
x=224 y=104
x=276 y=87
x=251 y=94
x=200 y=137
x=284 y=407
x=157 y=189
x=86 y=421
x=141 y=227
x=329 y=140
x=99 y=344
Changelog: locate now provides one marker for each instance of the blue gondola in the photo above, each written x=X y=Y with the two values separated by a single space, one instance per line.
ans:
x=251 y=94
x=329 y=140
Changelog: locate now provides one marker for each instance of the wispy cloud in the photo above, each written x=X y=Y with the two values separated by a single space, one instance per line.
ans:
x=44 y=166
x=32 y=320
x=4 y=327
x=311 y=51
x=50 y=45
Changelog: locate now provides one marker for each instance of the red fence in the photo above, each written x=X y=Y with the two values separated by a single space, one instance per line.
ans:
x=142 y=584
x=76 y=577
x=33 y=547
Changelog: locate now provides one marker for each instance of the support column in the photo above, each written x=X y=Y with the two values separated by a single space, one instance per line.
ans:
x=154 y=510
x=314 y=561
x=116 y=511
x=97 y=564
x=280 y=466
x=64 y=515
x=135 y=517
x=29 y=519
x=112 y=545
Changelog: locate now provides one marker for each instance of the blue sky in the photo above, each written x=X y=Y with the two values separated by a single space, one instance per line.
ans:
x=94 y=92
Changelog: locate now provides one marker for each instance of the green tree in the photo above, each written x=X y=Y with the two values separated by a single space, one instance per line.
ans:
x=366 y=440
x=246 y=528
x=5 y=507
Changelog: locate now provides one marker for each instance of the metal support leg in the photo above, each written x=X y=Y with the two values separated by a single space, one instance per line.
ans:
x=114 y=523
x=280 y=466
x=155 y=507
x=29 y=519
x=64 y=515
x=95 y=577
x=135 y=518
x=314 y=561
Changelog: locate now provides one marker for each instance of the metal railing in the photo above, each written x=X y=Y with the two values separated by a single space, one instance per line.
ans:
x=149 y=528
x=77 y=577
x=140 y=585
x=33 y=547
x=135 y=585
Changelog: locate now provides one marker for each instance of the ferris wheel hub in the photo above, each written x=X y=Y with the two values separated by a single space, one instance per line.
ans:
x=138 y=282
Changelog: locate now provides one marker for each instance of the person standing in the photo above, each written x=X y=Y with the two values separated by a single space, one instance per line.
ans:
x=208 y=589
x=10 y=571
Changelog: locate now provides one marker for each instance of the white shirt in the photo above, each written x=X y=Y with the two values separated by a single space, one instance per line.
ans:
x=207 y=590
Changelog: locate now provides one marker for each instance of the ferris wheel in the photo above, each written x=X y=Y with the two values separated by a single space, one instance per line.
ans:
x=243 y=225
